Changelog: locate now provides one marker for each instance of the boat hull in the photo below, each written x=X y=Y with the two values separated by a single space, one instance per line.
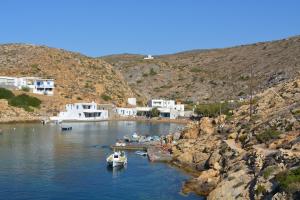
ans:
x=115 y=162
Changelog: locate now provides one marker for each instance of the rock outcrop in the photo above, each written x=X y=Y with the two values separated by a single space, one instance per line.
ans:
x=14 y=114
x=244 y=161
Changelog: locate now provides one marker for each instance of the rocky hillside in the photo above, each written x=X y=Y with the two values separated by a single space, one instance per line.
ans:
x=235 y=157
x=211 y=75
x=77 y=77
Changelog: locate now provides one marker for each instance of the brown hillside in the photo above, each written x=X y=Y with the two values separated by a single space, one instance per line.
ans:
x=77 y=77
x=211 y=75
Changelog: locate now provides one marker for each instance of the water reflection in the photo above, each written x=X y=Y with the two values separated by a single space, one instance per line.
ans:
x=116 y=171
x=41 y=162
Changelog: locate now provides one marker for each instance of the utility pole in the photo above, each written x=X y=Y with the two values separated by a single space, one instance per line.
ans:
x=251 y=91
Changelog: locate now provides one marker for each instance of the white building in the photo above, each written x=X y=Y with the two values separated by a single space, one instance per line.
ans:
x=160 y=103
x=126 y=112
x=82 y=112
x=164 y=112
x=37 y=85
x=34 y=84
x=131 y=101
x=169 y=104
x=149 y=57
x=8 y=82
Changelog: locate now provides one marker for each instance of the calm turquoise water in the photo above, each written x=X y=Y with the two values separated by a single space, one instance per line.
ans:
x=41 y=162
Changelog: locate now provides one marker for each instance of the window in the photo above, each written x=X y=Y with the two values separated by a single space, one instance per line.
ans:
x=86 y=107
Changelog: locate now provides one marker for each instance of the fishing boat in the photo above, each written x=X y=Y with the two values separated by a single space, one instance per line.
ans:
x=118 y=158
x=66 y=128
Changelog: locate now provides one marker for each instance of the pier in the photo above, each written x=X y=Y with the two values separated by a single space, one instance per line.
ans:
x=156 y=153
x=133 y=147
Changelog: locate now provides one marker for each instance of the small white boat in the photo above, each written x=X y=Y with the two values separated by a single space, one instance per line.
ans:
x=135 y=135
x=141 y=153
x=117 y=159
x=120 y=144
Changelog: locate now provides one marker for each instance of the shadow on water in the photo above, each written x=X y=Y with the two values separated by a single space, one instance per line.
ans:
x=116 y=171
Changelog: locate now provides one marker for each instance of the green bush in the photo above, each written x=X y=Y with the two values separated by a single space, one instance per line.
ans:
x=154 y=112
x=6 y=94
x=289 y=180
x=25 y=89
x=105 y=97
x=241 y=93
x=145 y=74
x=25 y=101
x=268 y=135
x=152 y=72
x=243 y=138
x=260 y=190
x=195 y=70
x=268 y=171
x=213 y=109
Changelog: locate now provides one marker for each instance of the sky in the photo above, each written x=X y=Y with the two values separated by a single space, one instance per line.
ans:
x=104 y=27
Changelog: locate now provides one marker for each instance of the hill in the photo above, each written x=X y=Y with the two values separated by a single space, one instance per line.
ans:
x=77 y=77
x=211 y=75
x=238 y=157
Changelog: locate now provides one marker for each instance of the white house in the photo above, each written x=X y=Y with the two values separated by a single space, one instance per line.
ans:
x=39 y=85
x=126 y=112
x=170 y=104
x=160 y=103
x=34 y=84
x=164 y=112
x=149 y=57
x=81 y=112
x=8 y=82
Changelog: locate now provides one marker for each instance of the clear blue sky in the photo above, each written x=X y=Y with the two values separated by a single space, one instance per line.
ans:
x=102 y=27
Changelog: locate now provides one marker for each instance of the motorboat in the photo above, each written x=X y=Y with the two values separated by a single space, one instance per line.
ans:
x=66 y=128
x=126 y=138
x=120 y=144
x=135 y=137
x=118 y=158
x=141 y=153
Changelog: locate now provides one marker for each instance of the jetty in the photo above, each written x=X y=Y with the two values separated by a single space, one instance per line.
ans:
x=157 y=147
x=129 y=147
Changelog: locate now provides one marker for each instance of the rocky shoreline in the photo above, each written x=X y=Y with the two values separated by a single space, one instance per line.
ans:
x=235 y=157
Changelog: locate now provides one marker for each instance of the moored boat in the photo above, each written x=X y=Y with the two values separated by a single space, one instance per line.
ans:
x=118 y=158
x=141 y=153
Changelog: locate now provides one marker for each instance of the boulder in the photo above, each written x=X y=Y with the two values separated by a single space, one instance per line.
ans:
x=233 y=187
x=199 y=157
x=156 y=154
x=280 y=196
x=207 y=126
x=213 y=161
x=202 y=185
x=191 y=133
x=176 y=136
x=185 y=158
x=232 y=135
